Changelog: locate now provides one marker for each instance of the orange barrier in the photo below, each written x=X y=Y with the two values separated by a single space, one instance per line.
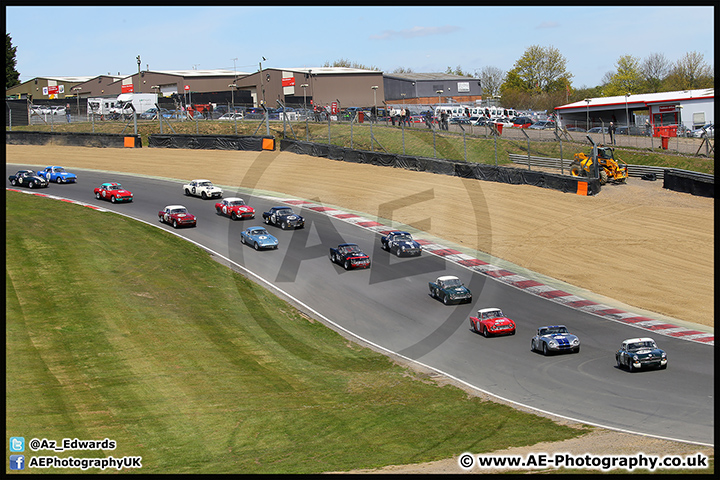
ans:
x=582 y=188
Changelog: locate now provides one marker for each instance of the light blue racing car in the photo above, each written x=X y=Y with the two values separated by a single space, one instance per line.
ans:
x=259 y=238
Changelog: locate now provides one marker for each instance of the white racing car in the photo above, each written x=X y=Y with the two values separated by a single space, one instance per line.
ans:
x=202 y=188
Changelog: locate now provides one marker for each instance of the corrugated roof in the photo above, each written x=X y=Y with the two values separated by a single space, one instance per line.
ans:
x=427 y=76
x=641 y=98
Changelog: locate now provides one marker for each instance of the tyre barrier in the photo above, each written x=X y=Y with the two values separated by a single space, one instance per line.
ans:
x=80 y=139
x=212 y=142
x=490 y=173
x=700 y=184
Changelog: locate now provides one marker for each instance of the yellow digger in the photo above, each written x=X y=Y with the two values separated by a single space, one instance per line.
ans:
x=609 y=168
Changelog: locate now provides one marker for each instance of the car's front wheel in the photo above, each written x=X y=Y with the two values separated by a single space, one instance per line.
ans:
x=445 y=299
x=257 y=247
x=187 y=192
x=58 y=180
x=204 y=196
x=112 y=199
x=233 y=216
x=174 y=223
x=545 y=349
x=347 y=265
x=485 y=331
x=97 y=195
x=13 y=182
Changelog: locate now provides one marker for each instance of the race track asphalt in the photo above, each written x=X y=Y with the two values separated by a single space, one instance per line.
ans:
x=389 y=305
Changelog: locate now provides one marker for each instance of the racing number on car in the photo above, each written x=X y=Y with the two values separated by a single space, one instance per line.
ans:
x=104 y=193
x=193 y=190
x=224 y=209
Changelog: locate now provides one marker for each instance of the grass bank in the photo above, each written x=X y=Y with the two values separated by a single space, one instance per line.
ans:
x=198 y=370
x=476 y=146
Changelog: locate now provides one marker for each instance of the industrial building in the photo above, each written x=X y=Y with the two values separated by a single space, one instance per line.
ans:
x=686 y=108
x=340 y=87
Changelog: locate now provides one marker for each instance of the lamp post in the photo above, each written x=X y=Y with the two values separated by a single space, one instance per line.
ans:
x=232 y=87
x=587 y=115
x=680 y=127
x=77 y=97
x=307 y=133
x=262 y=87
x=627 y=115
x=372 y=138
x=138 y=62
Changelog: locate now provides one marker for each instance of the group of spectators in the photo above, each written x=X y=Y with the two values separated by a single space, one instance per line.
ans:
x=402 y=116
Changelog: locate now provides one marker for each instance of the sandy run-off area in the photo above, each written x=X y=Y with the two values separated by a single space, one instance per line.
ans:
x=636 y=244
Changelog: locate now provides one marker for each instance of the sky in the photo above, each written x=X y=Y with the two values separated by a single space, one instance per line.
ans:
x=77 y=41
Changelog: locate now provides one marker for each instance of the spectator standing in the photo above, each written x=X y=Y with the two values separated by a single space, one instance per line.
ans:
x=611 y=131
x=67 y=112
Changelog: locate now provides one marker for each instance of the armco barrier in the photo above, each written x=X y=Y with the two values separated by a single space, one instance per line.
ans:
x=491 y=173
x=212 y=142
x=689 y=182
x=103 y=140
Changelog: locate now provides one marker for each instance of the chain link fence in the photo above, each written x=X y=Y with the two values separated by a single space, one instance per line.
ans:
x=345 y=127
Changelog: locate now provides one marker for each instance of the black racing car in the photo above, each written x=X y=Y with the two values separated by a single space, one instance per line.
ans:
x=283 y=217
x=349 y=256
x=400 y=243
x=28 y=178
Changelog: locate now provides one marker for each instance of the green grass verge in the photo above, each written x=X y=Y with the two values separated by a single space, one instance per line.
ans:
x=178 y=359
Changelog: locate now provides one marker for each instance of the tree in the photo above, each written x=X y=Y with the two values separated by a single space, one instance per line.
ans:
x=540 y=69
x=691 y=72
x=12 y=76
x=458 y=71
x=491 y=78
x=348 y=64
x=654 y=70
x=626 y=78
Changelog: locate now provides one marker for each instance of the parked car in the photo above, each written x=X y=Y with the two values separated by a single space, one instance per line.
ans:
x=58 y=175
x=708 y=129
x=202 y=188
x=114 y=192
x=542 y=125
x=637 y=353
x=57 y=110
x=450 y=289
x=633 y=130
x=232 y=117
x=177 y=216
x=522 y=122
x=554 y=338
x=575 y=129
x=492 y=321
x=400 y=243
x=27 y=178
x=284 y=217
x=259 y=238
x=151 y=114
x=349 y=256
x=598 y=130
x=234 y=207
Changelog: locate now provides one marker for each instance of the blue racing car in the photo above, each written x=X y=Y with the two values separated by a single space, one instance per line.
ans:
x=58 y=175
x=258 y=237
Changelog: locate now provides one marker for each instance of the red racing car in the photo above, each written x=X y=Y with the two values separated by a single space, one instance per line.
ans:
x=234 y=208
x=492 y=321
